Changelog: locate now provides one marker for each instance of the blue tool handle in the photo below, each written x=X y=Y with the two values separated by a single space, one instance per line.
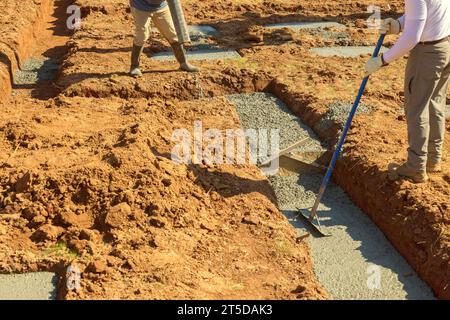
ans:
x=337 y=152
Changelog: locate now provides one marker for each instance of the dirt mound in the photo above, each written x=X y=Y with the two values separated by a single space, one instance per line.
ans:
x=105 y=195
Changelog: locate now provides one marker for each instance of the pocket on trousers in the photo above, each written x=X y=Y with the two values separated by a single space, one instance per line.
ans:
x=410 y=85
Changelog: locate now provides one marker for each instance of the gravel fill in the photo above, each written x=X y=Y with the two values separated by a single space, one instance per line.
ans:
x=35 y=70
x=316 y=28
x=306 y=25
x=347 y=52
x=265 y=111
x=344 y=37
x=200 y=36
x=357 y=254
x=338 y=113
x=28 y=286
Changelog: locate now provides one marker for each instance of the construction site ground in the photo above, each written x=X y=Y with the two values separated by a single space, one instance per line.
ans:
x=86 y=177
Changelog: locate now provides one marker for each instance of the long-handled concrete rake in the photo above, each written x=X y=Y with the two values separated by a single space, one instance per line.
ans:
x=309 y=218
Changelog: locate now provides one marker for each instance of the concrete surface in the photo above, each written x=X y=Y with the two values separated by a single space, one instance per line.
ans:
x=357 y=262
x=28 y=286
x=200 y=36
x=338 y=112
x=306 y=25
x=255 y=109
x=212 y=54
x=347 y=52
x=203 y=30
x=199 y=31
x=35 y=70
x=319 y=29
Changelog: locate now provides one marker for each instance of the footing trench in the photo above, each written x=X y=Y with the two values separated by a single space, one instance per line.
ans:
x=357 y=261
x=87 y=181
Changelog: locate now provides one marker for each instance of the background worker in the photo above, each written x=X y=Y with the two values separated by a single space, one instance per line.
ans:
x=426 y=31
x=157 y=12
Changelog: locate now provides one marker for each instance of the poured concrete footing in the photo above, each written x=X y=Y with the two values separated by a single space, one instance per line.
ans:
x=357 y=261
x=347 y=52
x=306 y=25
x=200 y=55
x=319 y=28
x=28 y=286
x=199 y=30
x=200 y=35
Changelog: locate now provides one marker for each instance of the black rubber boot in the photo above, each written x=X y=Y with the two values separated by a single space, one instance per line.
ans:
x=135 y=56
x=180 y=55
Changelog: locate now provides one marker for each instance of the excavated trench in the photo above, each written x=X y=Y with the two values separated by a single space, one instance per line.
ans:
x=357 y=251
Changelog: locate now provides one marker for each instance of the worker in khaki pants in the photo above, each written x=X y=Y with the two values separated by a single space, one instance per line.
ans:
x=426 y=31
x=157 y=12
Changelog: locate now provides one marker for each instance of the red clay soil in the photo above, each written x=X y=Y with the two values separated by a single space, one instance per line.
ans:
x=122 y=145
x=308 y=84
x=87 y=181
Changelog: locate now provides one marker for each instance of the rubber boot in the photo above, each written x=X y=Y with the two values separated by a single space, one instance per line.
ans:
x=135 y=57
x=405 y=171
x=180 y=55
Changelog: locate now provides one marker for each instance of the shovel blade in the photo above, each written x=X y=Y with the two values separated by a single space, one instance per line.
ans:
x=312 y=224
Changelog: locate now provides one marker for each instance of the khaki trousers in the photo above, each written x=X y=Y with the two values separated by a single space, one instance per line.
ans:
x=426 y=86
x=161 y=19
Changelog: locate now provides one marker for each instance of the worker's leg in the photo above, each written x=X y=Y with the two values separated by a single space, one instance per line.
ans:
x=437 y=113
x=141 y=24
x=162 y=19
x=421 y=80
x=420 y=88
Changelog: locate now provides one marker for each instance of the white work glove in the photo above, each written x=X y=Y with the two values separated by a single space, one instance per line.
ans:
x=390 y=26
x=373 y=65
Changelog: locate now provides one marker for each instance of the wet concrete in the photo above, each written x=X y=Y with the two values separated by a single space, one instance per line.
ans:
x=201 y=36
x=202 y=48
x=401 y=111
x=357 y=261
x=255 y=108
x=211 y=54
x=320 y=29
x=306 y=25
x=338 y=112
x=197 y=31
x=28 y=286
x=346 y=52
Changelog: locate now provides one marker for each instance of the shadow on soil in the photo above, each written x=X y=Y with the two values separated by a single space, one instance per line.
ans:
x=224 y=183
